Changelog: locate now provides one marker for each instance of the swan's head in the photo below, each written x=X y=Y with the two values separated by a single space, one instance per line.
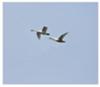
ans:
x=32 y=30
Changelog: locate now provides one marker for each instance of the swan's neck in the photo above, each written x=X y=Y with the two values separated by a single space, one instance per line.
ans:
x=52 y=39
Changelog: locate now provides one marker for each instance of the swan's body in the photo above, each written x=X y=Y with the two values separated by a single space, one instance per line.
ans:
x=60 y=39
x=43 y=32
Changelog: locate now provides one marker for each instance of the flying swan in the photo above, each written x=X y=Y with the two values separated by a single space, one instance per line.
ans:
x=59 y=39
x=43 y=32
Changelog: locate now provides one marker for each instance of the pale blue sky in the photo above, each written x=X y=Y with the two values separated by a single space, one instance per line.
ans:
x=28 y=60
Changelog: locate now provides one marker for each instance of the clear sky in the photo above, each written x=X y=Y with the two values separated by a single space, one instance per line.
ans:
x=28 y=60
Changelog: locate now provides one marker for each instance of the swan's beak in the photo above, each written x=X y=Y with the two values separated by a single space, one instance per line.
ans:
x=31 y=30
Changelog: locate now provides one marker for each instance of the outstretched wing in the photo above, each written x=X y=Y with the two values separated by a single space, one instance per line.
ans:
x=44 y=30
x=38 y=35
x=62 y=36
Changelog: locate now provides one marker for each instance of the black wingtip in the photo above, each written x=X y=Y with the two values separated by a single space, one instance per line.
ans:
x=45 y=26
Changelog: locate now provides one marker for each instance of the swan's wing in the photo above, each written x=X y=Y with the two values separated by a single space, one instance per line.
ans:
x=44 y=30
x=62 y=36
x=38 y=35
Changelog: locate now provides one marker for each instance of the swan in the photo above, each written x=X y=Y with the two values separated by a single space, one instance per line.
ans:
x=43 y=32
x=60 y=38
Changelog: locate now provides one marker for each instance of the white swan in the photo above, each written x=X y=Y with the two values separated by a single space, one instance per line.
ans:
x=43 y=32
x=59 y=39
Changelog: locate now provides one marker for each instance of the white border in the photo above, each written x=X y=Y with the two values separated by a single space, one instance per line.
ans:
x=50 y=0
x=1 y=44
